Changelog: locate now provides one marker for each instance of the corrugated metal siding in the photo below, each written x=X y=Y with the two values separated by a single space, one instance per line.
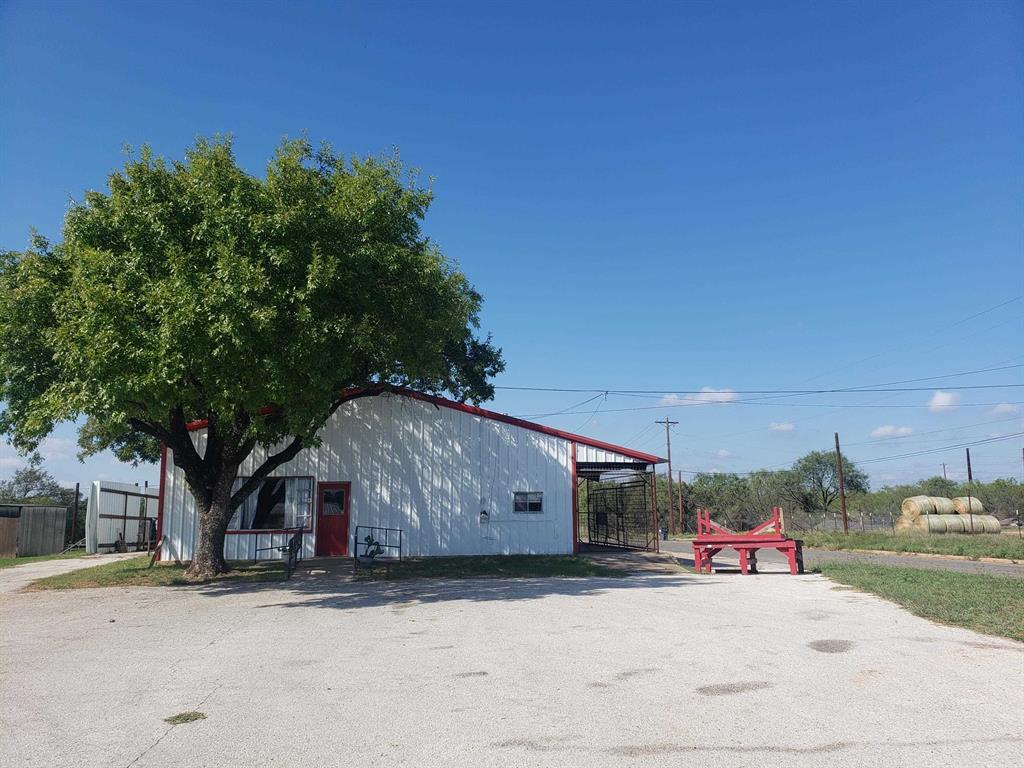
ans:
x=41 y=530
x=587 y=453
x=100 y=531
x=425 y=469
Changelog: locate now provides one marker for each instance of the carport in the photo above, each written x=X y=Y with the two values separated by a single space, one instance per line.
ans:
x=615 y=500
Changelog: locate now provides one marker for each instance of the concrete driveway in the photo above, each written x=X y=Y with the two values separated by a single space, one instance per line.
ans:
x=18 y=576
x=647 y=670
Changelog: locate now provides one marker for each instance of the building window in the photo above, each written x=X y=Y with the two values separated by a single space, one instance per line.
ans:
x=278 y=503
x=528 y=501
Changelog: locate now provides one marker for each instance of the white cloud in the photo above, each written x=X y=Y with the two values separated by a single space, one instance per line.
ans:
x=944 y=401
x=54 y=448
x=890 y=431
x=706 y=395
x=782 y=426
x=1005 y=409
x=724 y=454
x=12 y=462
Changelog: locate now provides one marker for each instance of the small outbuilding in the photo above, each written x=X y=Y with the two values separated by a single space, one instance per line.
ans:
x=454 y=479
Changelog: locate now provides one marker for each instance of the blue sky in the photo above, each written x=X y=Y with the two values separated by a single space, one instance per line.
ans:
x=669 y=197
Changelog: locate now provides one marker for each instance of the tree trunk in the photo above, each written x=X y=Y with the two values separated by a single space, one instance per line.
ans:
x=208 y=558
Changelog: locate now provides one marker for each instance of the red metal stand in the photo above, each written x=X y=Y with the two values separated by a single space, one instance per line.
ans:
x=712 y=538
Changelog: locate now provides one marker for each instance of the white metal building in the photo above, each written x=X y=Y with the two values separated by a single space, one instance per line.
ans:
x=119 y=511
x=456 y=479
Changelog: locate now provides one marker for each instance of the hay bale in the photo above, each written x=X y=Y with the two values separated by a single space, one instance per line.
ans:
x=943 y=506
x=916 y=506
x=954 y=523
x=930 y=524
x=968 y=505
x=981 y=524
x=904 y=524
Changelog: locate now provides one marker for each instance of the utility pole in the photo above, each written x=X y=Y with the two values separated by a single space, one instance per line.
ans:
x=842 y=488
x=970 y=489
x=944 y=470
x=682 y=520
x=668 y=448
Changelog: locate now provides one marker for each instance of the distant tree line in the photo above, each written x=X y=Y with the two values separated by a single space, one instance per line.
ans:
x=33 y=484
x=808 y=492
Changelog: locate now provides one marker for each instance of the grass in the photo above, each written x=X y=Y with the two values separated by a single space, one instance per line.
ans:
x=135 y=572
x=523 y=566
x=185 y=717
x=1006 y=546
x=993 y=605
x=7 y=562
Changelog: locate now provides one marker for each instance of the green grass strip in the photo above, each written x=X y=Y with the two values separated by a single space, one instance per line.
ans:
x=1005 y=546
x=522 y=566
x=993 y=605
x=135 y=572
x=8 y=562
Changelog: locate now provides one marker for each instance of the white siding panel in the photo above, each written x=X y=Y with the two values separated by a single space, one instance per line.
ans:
x=426 y=469
x=100 y=531
x=587 y=453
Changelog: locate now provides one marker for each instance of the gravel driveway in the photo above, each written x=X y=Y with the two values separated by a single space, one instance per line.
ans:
x=647 y=670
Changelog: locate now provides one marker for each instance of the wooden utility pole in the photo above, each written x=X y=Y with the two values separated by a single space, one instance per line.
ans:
x=970 y=481
x=668 y=449
x=682 y=519
x=842 y=488
x=944 y=470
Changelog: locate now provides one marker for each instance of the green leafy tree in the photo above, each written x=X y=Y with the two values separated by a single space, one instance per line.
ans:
x=32 y=484
x=815 y=474
x=194 y=290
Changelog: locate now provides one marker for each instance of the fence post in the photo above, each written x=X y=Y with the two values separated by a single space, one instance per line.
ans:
x=892 y=523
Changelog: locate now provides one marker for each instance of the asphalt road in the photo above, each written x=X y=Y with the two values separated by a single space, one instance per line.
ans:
x=771 y=560
x=649 y=670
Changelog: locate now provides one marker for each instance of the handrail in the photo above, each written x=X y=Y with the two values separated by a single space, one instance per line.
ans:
x=392 y=540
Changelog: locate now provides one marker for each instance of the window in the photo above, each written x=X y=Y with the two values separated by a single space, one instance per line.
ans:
x=527 y=501
x=278 y=503
x=334 y=502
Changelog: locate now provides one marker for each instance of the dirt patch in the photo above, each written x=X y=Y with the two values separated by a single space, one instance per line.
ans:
x=727 y=689
x=988 y=646
x=627 y=674
x=184 y=717
x=652 y=750
x=816 y=615
x=536 y=744
x=831 y=646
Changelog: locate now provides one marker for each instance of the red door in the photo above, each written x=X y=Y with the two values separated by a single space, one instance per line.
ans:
x=332 y=509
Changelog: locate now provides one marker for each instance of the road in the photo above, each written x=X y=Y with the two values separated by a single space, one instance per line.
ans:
x=649 y=670
x=17 y=576
x=770 y=560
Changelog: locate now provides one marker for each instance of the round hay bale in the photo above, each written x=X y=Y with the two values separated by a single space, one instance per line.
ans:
x=968 y=505
x=930 y=524
x=904 y=524
x=916 y=506
x=943 y=506
x=954 y=523
x=992 y=524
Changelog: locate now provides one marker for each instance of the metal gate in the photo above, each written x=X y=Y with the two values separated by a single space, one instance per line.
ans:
x=616 y=509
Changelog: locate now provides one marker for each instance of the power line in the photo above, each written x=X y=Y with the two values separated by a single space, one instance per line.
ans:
x=880 y=387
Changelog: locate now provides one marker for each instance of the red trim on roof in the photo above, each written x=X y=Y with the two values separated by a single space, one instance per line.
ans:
x=646 y=458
